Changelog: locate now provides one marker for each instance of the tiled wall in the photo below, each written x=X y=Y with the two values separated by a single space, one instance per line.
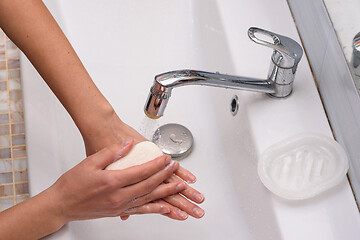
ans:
x=13 y=165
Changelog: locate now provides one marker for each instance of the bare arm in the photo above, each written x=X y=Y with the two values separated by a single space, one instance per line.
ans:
x=31 y=27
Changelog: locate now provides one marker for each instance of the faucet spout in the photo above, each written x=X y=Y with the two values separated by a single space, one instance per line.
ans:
x=279 y=83
x=160 y=92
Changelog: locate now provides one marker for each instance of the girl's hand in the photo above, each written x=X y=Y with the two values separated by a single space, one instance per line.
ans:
x=88 y=191
x=113 y=130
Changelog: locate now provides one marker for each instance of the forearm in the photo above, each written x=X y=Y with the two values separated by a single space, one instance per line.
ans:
x=31 y=27
x=32 y=219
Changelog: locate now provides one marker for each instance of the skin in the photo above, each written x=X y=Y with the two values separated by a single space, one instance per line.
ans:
x=31 y=27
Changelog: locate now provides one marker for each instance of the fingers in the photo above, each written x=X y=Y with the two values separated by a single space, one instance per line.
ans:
x=155 y=207
x=185 y=175
x=161 y=191
x=175 y=213
x=189 y=192
x=110 y=154
x=147 y=186
x=136 y=174
x=185 y=205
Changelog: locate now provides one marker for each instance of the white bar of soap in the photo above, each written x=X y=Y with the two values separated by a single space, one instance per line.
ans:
x=141 y=153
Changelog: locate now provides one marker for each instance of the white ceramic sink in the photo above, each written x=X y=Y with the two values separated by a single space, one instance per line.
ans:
x=123 y=45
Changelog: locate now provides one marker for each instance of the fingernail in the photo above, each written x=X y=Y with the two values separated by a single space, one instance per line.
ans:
x=167 y=160
x=164 y=210
x=191 y=178
x=199 y=197
x=198 y=212
x=174 y=165
x=180 y=186
x=182 y=214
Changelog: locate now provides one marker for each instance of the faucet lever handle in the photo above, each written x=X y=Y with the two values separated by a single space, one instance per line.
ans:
x=288 y=48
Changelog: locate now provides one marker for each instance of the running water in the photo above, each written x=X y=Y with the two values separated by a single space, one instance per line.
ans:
x=148 y=127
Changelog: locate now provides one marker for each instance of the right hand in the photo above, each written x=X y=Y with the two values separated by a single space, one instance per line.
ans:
x=87 y=191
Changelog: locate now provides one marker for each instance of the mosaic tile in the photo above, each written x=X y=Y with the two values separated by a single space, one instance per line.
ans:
x=13 y=162
x=15 y=95
x=20 y=164
x=14 y=84
x=5 y=165
x=10 y=45
x=21 y=188
x=21 y=176
x=4 y=118
x=2 y=65
x=4 y=130
x=16 y=128
x=19 y=152
x=6 y=190
x=21 y=198
x=14 y=74
x=6 y=177
x=4 y=96
x=6 y=203
x=16 y=117
x=2 y=56
x=3 y=77
x=5 y=153
x=5 y=141
x=4 y=107
x=13 y=53
x=15 y=106
x=13 y=63
x=17 y=140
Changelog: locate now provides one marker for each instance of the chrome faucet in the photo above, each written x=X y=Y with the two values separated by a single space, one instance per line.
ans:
x=279 y=83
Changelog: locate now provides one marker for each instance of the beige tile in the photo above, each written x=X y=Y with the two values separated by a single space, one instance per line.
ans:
x=5 y=153
x=10 y=45
x=5 y=141
x=17 y=140
x=19 y=152
x=20 y=164
x=6 y=177
x=21 y=176
x=4 y=129
x=5 y=165
x=15 y=95
x=14 y=84
x=14 y=74
x=16 y=128
x=16 y=106
x=16 y=117
x=4 y=118
x=6 y=203
x=2 y=56
x=2 y=65
x=21 y=188
x=21 y=198
x=12 y=54
x=3 y=85
x=4 y=96
x=6 y=190
x=4 y=107
x=13 y=63
x=3 y=77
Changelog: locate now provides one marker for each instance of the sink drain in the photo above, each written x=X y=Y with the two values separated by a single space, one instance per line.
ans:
x=174 y=139
x=234 y=105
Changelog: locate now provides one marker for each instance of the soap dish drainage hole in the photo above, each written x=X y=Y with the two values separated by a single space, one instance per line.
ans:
x=234 y=105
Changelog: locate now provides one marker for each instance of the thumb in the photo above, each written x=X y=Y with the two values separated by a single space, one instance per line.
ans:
x=110 y=154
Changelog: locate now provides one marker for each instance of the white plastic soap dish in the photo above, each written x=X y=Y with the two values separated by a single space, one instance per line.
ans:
x=303 y=166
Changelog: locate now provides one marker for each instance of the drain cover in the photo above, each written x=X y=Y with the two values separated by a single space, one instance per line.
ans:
x=174 y=139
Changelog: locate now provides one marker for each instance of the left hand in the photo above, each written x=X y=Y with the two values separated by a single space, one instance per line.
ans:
x=115 y=131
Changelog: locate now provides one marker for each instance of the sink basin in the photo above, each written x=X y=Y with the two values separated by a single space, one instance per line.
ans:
x=123 y=45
